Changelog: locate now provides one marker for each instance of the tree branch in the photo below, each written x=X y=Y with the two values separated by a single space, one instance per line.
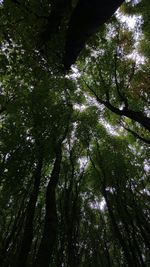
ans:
x=121 y=96
x=137 y=135
x=137 y=116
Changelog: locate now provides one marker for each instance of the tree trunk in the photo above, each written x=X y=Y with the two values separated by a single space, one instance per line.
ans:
x=44 y=255
x=116 y=229
x=9 y=243
x=28 y=227
x=50 y=227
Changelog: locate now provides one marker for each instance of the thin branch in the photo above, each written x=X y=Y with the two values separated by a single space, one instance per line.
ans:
x=94 y=93
x=147 y=141
x=121 y=96
x=105 y=85
x=131 y=75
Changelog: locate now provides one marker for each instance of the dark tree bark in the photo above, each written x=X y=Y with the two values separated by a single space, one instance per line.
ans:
x=136 y=116
x=113 y=220
x=117 y=230
x=28 y=227
x=10 y=242
x=59 y=9
x=130 y=229
x=86 y=19
x=50 y=226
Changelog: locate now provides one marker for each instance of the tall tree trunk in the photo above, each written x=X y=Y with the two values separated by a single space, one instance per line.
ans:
x=116 y=228
x=10 y=240
x=28 y=227
x=129 y=229
x=50 y=226
x=44 y=254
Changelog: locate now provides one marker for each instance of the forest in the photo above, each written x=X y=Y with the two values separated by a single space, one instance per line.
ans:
x=74 y=133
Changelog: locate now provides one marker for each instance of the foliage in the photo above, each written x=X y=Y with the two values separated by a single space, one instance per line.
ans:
x=74 y=149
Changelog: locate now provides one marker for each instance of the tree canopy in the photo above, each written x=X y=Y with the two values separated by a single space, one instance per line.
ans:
x=74 y=147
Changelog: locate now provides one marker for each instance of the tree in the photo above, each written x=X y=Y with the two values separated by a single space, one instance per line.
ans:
x=74 y=186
